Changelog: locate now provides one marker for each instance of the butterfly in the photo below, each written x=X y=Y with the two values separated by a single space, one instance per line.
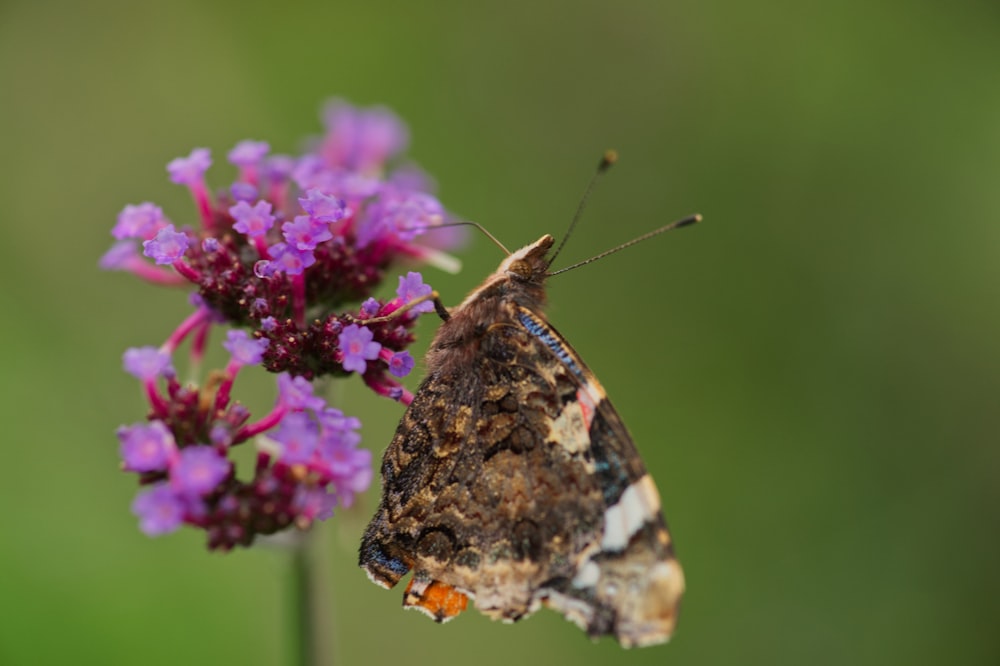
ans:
x=511 y=479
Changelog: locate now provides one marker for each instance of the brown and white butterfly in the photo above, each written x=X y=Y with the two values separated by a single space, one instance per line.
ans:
x=511 y=479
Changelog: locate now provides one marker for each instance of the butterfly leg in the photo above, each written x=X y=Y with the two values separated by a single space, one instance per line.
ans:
x=439 y=308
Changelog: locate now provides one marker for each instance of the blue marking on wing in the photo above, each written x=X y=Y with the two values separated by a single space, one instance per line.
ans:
x=552 y=342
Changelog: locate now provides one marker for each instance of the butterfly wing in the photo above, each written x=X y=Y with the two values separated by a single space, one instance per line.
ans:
x=515 y=482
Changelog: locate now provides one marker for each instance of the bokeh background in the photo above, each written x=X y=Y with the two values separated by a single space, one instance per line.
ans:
x=811 y=374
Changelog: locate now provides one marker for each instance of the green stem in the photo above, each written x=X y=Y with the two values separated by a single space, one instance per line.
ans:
x=310 y=587
x=310 y=608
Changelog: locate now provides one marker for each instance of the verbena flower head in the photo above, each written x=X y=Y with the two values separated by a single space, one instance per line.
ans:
x=288 y=258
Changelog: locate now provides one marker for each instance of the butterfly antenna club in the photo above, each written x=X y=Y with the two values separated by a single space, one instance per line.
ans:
x=689 y=220
x=609 y=158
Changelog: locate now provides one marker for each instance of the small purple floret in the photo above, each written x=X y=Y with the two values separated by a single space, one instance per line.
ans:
x=159 y=509
x=414 y=213
x=361 y=138
x=322 y=207
x=297 y=393
x=288 y=259
x=305 y=233
x=411 y=287
x=253 y=220
x=147 y=363
x=139 y=221
x=191 y=169
x=297 y=436
x=356 y=344
x=279 y=167
x=335 y=424
x=146 y=447
x=350 y=467
x=400 y=364
x=168 y=246
x=314 y=503
x=198 y=470
x=245 y=350
x=370 y=307
x=120 y=256
x=249 y=153
x=241 y=191
x=220 y=435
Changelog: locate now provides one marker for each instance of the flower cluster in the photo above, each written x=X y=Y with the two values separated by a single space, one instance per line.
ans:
x=288 y=257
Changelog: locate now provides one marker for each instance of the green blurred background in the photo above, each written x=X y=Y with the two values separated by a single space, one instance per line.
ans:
x=811 y=374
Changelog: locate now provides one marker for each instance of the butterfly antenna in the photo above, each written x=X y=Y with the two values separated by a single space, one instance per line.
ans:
x=470 y=224
x=692 y=219
x=609 y=158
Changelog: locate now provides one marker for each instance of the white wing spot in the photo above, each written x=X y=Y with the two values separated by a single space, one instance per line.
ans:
x=639 y=503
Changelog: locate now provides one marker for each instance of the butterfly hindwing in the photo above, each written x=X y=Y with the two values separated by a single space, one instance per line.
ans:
x=512 y=480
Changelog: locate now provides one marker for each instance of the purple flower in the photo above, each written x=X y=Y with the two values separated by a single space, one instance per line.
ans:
x=241 y=191
x=297 y=436
x=370 y=308
x=357 y=186
x=411 y=214
x=350 y=467
x=411 y=287
x=297 y=393
x=198 y=470
x=245 y=350
x=279 y=167
x=356 y=224
x=400 y=364
x=305 y=233
x=322 y=207
x=412 y=177
x=191 y=169
x=168 y=246
x=160 y=511
x=361 y=139
x=120 y=256
x=307 y=168
x=138 y=221
x=146 y=448
x=220 y=435
x=399 y=215
x=356 y=344
x=147 y=363
x=314 y=503
x=337 y=432
x=249 y=153
x=335 y=424
x=253 y=220
x=288 y=259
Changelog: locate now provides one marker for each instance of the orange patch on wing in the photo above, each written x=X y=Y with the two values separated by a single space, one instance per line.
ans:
x=439 y=600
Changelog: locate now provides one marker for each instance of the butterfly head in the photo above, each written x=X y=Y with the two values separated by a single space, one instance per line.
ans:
x=529 y=264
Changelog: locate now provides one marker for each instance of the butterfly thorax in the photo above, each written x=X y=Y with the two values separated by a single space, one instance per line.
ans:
x=519 y=282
